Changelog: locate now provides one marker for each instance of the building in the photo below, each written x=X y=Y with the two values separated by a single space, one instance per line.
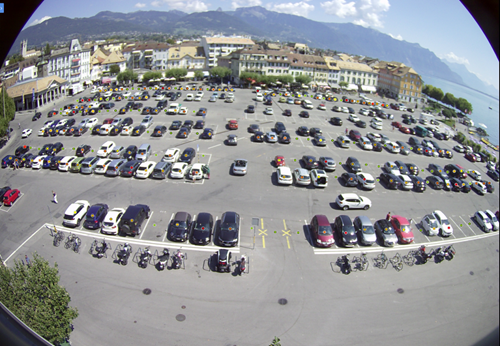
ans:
x=359 y=76
x=102 y=60
x=36 y=93
x=221 y=46
x=399 y=81
x=146 y=55
x=25 y=53
x=72 y=64
x=333 y=72
x=190 y=57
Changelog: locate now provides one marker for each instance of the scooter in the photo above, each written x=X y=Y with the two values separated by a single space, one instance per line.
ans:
x=177 y=260
x=163 y=259
x=450 y=252
x=223 y=261
x=442 y=253
x=243 y=264
x=101 y=249
x=345 y=265
x=124 y=254
x=145 y=258
x=424 y=256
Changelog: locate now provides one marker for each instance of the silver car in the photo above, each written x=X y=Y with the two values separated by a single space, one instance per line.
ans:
x=113 y=169
x=240 y=167
x=364 y=229
x=430 y=225
x=301 y=176
x=386 y=232
x=88 y=165
x=117 y=152
x=343 y=141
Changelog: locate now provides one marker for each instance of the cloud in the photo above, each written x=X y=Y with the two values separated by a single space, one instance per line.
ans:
x=454 y=58
x=185 y=6
x=398 y=37
x=298 y=8
x=362 y=12
x=140 y=5
x=245 y=3
x=38 y=21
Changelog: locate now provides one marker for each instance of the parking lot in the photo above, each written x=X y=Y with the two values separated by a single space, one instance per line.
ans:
x=274 y=234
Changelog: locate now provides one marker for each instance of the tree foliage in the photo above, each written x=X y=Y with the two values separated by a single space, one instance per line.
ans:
x=450 y=99
x=198 y=74
x=304 y=79
x=146 y=77
x=170 y=41
x=463 y=105
x=343 y=84
x=46 y=50
x=276 y=342
x=449 y=113
x=32 y=293
x=127 y=75
x=220 y=72
x=10 y=109
x=15 y=58
x=285 y=78
x=114 y=69
x=177 y=73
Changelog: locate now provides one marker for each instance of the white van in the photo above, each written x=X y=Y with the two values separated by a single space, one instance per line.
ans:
x=307 y=104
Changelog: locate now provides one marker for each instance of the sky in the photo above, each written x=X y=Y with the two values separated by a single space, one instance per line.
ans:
x=445 y=27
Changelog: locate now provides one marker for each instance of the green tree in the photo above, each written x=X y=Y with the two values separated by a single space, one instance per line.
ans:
x=285 y=78
x=426 y=89
x=343 y=84
x=276 y=342
x=249 y=77
x=304 y=79
x=46 y=50
x=463 y=105
x=10 y=109
x=126 y=76
x=15 y=58
x=220 y=72
x=151 y=75
x=114 y=69
x=449 y=113
x=177 y=73
x=437 y=94
x=32 y=293
x=449 y=99
x=171 y=41
x=198 y=74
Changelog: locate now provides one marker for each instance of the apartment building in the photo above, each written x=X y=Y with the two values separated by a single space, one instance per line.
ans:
x=221 y=46
x=146 y=55
x=188 y=56
x=399 y=81
x=359 y=76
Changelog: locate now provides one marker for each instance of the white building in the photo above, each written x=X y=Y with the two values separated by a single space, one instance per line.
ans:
x=358 y=76
x=222 y=46
x=71 y=64
x=148 y=55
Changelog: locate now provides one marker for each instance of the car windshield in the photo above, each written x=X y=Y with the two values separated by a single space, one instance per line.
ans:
x=108 y=224
x=177 y=170
x=228 y=227
x=179 y=224
x=90 y=216
x=200 y=226
x=405 y=229
x=325 y=230
x=368 y=230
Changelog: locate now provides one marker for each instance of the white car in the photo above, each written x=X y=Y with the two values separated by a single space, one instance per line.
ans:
x=460 y=148
x=284 y=175
x=391 y=167
x=301 y=176
x=319 y=178
x=178 y=170
x=407 y=182
x=365 y=143
x=343 y=141
x=104 y=130
x=189 y=97
x=108 y=93
x=127 y=130
x=65 y=163
x=127 y=94
x=479 y=187
x=374 y=137
x=75 y=213
x=259 y=97
x=366 y=180
x=102 y=165
x=483 y=221
x=160 y=97
x=38 y=162
x=364 y=111
x=271 y=137
x=26 y=133
x=84 y=122
x=230 y=95
x=474 y=174
x=183 y=110
x=353 y=118
x=344 y=109
x=490 y=165
x=196 y=171
x=111 y=221
x=106 y=149
x=197 y=98
x=145 y=169
x=322 y=107
x=116 y=122
x=307 y=104
x=171 y=155
x=200 y=93
x=91 y=123
x=269 y=111
x=240 y=167
x=347 y=201
x=147 y=121
x=393 y=147
x=213 y=98
x=173 y=108
x=42 y=130
x=493 y=219
x=430 y=225
x=376 y=124
x=444 y=225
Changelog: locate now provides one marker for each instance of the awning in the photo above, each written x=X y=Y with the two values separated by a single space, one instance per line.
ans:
x=352 y=87
x=106 y=80
x=190 y=74
x=369 y=88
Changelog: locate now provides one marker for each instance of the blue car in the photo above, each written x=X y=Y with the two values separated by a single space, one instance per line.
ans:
x=8 y=160
x=47 y=161
x=95 y=216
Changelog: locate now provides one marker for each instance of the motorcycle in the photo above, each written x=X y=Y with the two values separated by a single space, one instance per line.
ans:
x=101 y=249
x=177 y=260
x=450 y=252
x=424 y=256
x=163 y=259
x=442 y=253
x=124 y=254
x=223 y=261
x=243 y=264
x=145 y=258
x=345 y=265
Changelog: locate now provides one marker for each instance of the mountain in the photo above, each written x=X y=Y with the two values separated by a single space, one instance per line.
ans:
x=155 y=21
x=471 y=80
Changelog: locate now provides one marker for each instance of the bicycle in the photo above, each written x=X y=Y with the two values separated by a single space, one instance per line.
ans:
x=344 y=264
x=58 y=238
x=410 y=258
x=381 y=261
x=360 y=263
x=397 y=262
x=73 y=242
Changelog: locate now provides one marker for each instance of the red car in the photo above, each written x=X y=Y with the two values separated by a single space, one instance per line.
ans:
x=396 y=124
x=354 y=135
x=107 y=121
x=403 y=229
x=279 y=161
x=321 y=231
x=10 y=197
x=471 y=157
x=404 y=130
x=287 y=112
x=233 y=124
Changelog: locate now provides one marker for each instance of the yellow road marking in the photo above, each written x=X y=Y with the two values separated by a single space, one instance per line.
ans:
x=263 y=231
x=284 y=224
x=263 y=242
x=286 y=233
x=262 y=223
x=288 y=242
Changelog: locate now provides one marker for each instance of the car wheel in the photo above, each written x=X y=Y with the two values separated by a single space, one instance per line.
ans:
x=345 y=207
x=366 y=207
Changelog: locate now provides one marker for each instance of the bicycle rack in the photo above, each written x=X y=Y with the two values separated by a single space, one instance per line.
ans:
x=95 y=245
x=183 y=266
x=137 y=256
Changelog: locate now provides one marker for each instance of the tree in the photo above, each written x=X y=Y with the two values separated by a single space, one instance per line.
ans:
x=177 y=73
x=114 y=69
x=126 y=76
x=10 y=109
x=151 y=75
x=15 y=58
x=285 y=78
x=463 y=105
x=449 y=113
x=220 y=72
x=426 y=89
x=198 y=74
x=249 y=77
x=343 y=84
x=32 y=293
x=47 y=50
x=303 y=79
x=450 y=99
x=171 y=41
x=437 y=94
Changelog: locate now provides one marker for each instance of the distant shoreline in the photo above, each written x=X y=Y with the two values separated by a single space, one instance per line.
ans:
x=468 y=87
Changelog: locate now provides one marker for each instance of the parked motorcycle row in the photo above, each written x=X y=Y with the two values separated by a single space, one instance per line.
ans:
x=346 y=266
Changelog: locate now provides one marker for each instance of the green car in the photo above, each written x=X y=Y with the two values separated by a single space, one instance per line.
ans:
x=76 y=165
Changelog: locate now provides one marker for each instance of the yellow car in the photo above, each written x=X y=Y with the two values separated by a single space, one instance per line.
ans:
x=282 y=99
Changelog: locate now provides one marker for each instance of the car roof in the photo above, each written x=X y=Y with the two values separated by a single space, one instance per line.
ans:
x=402 y=220
x=284 y=169
x=181 y=216
x=230 y=216
x=440 y=214
x=322 y=220
x=349 y=195
x=365 y=220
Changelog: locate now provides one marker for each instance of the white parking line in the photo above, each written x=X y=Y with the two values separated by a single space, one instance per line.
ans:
x=146 y=226
x=214 y=146
x=458 y=227
x=467 y=225
x=168 y=225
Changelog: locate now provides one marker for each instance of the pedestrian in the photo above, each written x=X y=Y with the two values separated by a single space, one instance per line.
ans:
x=28 y=263
x=346 y=130
x=208 y=172
x=54 y=197
x=19 y=125
x=388 y=216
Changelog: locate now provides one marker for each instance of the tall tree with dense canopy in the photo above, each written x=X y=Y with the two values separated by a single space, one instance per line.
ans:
x=126 y=76
x=304 y=79
x=220 y=72
x=176 y=73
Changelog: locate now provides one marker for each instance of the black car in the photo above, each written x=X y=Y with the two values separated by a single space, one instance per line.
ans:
x=96 y=129
x=127 y=121
x=279 y=127
x=199 y=124
x=222 y=96
x=454 y=171
x=174 y=97
x=493 y=174
x=448 y=154
x=82 y=150
x=95 y=216
x=414 y=141
x=229 y=229
x=71 y=131
x=489 y=186
x=336 y=121
x=284 y=138
x=418 y=149
x=162 y=104
x=146 y=110
x=201 y=112
x=128 y=169
x=303 y=131
x=435 y=182
x=188 y=123
x=313 y=131
x=287 y=113
x=57 y=147
x=402 y=167
x=377 y=146
x=36 y=116
x=465 y=186
x=132 y=219
x=176 y=124
x=353 y=164
x=304 y=114
x=137 y=105
x=232 y=140
x=456 y=184
x=253 y=128
x=183 y=132
x=439 y=135
x=346 y=232
x=390 y=180
x=154 y=111
x=309 y=162
x=201 y=233
x=438 y=170
x=70 y=122
x=361 y=124
x=187 y=155
x=54 y=162
x=107 y=105
x=130 y=152
x=350 y=179
x=138 y=130
x=129 y=105
x=207 y=133
x=418 y=183
x=178 y=229
x=46 y=150
x=413 y=168
x=159 y=131
x=26 y=161
x=115 y=130
x=258 y=136
x=251 y=109
x=21 y=150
